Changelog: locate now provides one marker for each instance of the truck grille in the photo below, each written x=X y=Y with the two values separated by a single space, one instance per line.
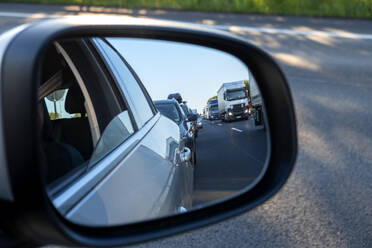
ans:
x=238 y=108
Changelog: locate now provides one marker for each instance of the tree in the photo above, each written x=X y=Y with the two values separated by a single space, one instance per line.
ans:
x=246 y=82
x=54 y=116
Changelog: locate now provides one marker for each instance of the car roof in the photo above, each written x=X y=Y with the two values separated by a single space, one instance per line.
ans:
x=168 y=101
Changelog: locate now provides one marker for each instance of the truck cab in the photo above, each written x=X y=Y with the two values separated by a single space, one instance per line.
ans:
x=213 y=113
x=233 y=101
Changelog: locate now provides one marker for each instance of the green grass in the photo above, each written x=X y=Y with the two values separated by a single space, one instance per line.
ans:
x=328 y=8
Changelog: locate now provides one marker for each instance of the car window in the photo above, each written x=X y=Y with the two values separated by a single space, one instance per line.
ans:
x=55 y=103
x=67 y=126
x=116 y=132
x=170 y=111
x=214 y=108
x=66 y=132
x=135 y=96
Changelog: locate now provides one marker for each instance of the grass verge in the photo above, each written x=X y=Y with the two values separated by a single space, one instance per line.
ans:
x=318 y=8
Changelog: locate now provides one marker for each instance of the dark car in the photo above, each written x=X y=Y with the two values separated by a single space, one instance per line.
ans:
x=172 y=110
x=199 y=122
x=192 y=125
x=176 y=96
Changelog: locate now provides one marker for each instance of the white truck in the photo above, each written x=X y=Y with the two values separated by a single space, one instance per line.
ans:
x=233 y=101
x=256 y=101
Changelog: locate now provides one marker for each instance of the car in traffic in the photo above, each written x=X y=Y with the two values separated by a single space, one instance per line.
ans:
x=191 y=125
x=193 y=129
x=199 y=121
x=172 y=110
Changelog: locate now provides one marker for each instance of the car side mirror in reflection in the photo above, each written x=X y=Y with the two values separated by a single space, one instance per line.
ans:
x=117 y=158
x=192 y=117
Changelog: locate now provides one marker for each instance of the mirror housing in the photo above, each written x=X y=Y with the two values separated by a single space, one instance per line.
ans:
x=26 y=208
x=192 y=117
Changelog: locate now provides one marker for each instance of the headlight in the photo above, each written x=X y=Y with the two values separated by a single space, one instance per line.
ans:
x=230 y=113
x=246 y=111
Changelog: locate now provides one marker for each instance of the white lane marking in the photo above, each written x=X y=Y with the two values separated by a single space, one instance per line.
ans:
x=219 y=124
x=232 y=28
x=238 y=130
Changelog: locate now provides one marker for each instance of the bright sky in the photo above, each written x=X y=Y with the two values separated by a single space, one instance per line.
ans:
x=167 y=67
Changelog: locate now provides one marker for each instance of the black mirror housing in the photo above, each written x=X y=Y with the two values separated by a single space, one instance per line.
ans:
x=27 y=210
x=192 y=117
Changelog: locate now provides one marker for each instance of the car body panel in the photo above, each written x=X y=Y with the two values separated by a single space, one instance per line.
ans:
x=148 y=183
x=183 y=125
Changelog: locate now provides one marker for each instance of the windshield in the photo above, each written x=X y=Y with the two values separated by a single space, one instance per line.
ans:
x=170 y=111
x=214 y=108
x=235 y=95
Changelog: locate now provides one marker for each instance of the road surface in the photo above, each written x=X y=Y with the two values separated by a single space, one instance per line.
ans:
x=327 y=200
x=230 y=156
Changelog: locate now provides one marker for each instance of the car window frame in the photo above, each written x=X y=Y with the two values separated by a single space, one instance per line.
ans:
x=89 y=108
x=61 y=183
x=125 y=93
x=177 y=111
x=110 y=77
x=145 y=92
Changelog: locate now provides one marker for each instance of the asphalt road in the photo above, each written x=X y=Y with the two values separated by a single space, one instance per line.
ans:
x=230 y=156
x=327 y=200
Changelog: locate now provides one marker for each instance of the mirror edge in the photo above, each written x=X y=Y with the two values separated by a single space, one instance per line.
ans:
x=40 y=214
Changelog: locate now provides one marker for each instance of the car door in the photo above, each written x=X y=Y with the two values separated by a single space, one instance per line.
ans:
x=135 y=178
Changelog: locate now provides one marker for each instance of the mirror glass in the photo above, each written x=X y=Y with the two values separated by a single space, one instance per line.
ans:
x=136 y=129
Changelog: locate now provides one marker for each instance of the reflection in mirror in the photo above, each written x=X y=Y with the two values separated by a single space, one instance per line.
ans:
x=136 y=129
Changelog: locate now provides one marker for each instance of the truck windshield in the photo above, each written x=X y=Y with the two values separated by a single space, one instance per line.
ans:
x=170 y=111
x=235 y=95
x=214 y=108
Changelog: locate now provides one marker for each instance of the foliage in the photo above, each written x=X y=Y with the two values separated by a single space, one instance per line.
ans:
x=332 y=8
x=246 y=82
x=54 y=116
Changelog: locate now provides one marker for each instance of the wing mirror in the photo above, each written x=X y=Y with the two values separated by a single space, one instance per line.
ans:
x=192 y=117
x=100 y=165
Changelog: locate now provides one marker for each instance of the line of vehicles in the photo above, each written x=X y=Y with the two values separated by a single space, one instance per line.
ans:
x=188 y=121
x=236 y=101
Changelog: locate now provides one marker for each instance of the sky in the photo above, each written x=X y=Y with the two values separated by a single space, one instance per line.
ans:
x=166 y=67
